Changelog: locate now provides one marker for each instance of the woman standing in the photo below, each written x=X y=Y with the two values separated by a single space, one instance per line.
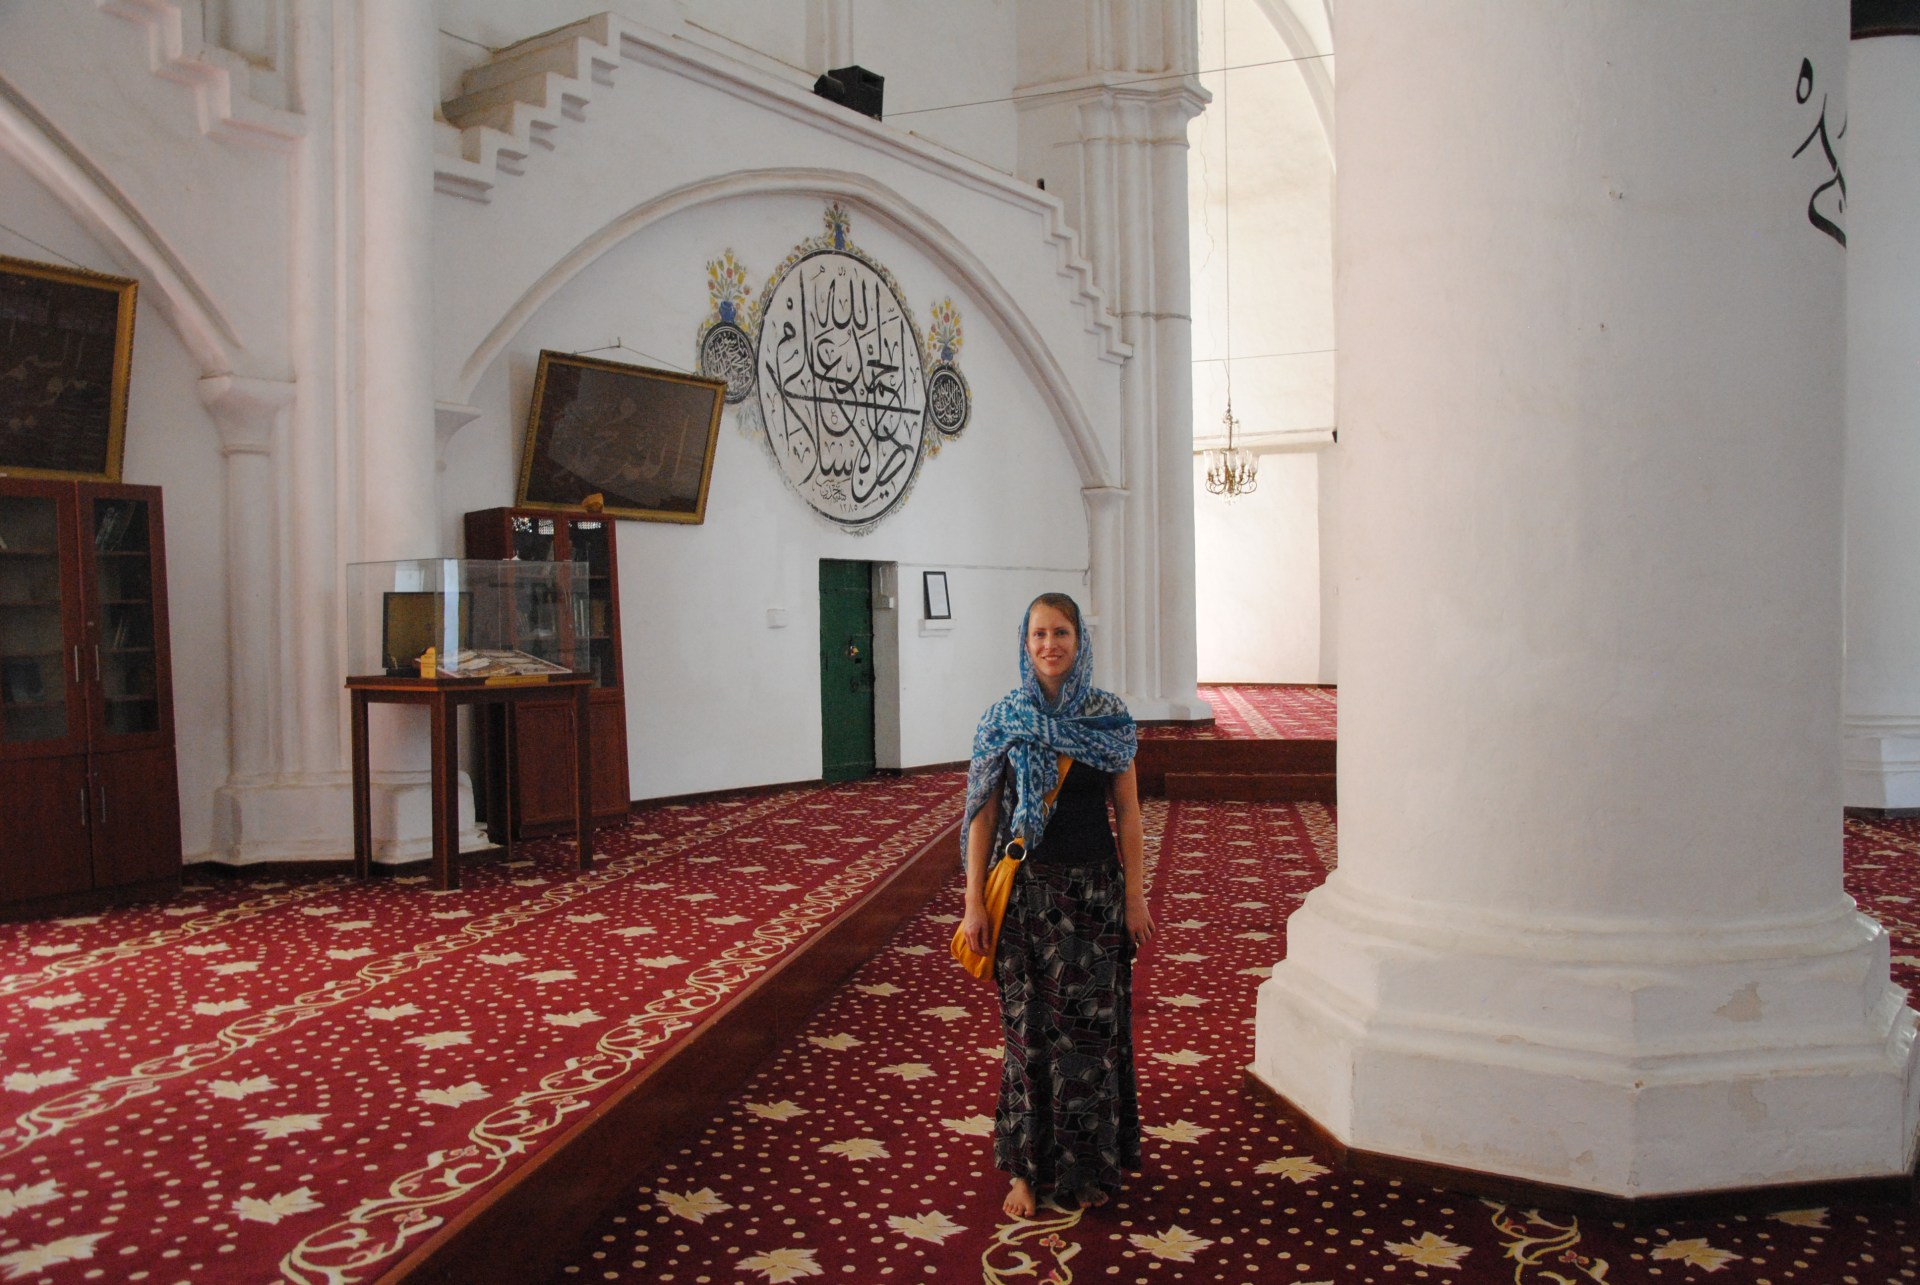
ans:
x=1068 y=1120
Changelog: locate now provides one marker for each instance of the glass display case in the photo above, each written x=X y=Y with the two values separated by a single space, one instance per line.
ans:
x=496 y=622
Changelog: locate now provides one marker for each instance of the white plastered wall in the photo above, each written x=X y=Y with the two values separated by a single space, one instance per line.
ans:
x=718 y=696
x=1258 y=559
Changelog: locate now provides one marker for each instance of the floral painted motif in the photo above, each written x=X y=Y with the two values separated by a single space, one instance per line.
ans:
x=727 y=286
x=945 y=330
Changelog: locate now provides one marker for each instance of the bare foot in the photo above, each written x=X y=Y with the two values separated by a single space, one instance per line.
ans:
x=1019 y=1202
x=1092 y=1199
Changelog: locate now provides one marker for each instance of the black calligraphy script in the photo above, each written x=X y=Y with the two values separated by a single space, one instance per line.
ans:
x=842 y=389
x=1803 y=91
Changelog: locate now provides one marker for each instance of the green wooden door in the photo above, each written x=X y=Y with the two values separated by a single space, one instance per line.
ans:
x=846 y=670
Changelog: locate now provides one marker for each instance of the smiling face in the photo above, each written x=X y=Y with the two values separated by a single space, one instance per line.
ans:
x=1052 y=645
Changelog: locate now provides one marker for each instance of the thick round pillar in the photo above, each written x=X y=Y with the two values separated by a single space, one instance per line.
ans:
x=398 y=475
x=1881 y=749
x=1588 y=926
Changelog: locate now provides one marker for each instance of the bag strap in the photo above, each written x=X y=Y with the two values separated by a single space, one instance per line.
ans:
x=1066 y=761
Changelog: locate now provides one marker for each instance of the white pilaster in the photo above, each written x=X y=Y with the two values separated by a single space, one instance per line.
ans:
x=286 y=796
x=251 y=415
x=1106 y=581
x=1106 y=113
x=1881 y=747
x=1588 y=926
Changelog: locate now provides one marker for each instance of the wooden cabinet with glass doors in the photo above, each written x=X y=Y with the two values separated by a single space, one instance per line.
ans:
x=92 y=809
x=538 y=765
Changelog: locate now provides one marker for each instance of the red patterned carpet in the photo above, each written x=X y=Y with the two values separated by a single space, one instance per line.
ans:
x=1260 y=712
x=862 y=1153
x=265 y=1080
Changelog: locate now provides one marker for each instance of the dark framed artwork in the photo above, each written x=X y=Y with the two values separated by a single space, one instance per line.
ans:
x=641 y=439
x=66 y=346
x=933 y=595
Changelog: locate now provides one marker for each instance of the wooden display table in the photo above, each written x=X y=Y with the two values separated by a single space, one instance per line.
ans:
x=443 y=698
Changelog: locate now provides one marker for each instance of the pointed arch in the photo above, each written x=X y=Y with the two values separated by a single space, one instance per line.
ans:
x=907 y=220
x=1312 y=64
x=106 y=212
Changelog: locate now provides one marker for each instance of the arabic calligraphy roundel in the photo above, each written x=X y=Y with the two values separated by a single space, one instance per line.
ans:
x=842 y=391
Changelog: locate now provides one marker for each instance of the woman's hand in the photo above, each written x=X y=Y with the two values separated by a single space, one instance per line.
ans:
x=977 y=928
x=1139 y=919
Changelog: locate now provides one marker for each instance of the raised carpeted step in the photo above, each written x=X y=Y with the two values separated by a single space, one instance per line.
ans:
x=1252 y=787
x=1159 y=758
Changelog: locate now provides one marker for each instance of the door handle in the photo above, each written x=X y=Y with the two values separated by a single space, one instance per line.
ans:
x=76 y=663
x=103 y=805
x=84 y=819
x=853 y=651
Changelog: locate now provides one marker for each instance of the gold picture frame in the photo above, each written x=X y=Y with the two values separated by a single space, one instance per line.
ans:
x=641 y=439
x=66 y=350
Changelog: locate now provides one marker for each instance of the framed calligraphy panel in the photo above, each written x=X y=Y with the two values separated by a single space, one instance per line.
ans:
x=641 y=439
x=843 y=393
x=66 y=348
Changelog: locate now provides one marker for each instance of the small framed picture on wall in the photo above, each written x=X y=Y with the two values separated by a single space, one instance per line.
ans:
x=933 y=590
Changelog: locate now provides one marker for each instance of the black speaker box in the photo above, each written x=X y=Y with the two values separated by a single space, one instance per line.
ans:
x=854 y=87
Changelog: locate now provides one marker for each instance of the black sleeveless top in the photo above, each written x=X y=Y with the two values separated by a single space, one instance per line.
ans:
x=1078 y=833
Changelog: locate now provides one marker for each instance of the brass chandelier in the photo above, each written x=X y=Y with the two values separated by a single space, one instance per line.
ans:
x=1233 y=471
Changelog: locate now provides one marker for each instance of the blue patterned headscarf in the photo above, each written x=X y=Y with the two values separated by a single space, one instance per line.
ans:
x=1017 y=748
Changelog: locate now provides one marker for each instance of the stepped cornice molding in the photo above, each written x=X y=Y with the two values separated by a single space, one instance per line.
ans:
x=83 y=188
x=177 y=50
x=910 y=221
x=461 y=176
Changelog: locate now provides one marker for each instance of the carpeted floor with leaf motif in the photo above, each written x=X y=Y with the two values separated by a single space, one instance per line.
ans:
x=1259 y=712
x=267 y=1079
x=862 y=1153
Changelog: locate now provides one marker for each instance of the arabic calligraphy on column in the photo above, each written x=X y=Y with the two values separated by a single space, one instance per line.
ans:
x=842 y=386
x=1837 y=181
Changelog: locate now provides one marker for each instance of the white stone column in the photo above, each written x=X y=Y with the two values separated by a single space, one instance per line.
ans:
x=1881 y=749
x=1113 y=104
x=251 y=415
x=398 y=503
x=1588 y=926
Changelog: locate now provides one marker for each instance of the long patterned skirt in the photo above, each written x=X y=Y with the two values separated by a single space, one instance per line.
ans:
x=1069 y=1116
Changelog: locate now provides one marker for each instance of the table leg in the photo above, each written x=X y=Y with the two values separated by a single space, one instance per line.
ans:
x=583 y=773
x=446 y=793
x=362 y=810
x=509 y=765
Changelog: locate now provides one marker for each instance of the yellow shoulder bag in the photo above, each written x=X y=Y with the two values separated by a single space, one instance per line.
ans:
x=999 y=888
